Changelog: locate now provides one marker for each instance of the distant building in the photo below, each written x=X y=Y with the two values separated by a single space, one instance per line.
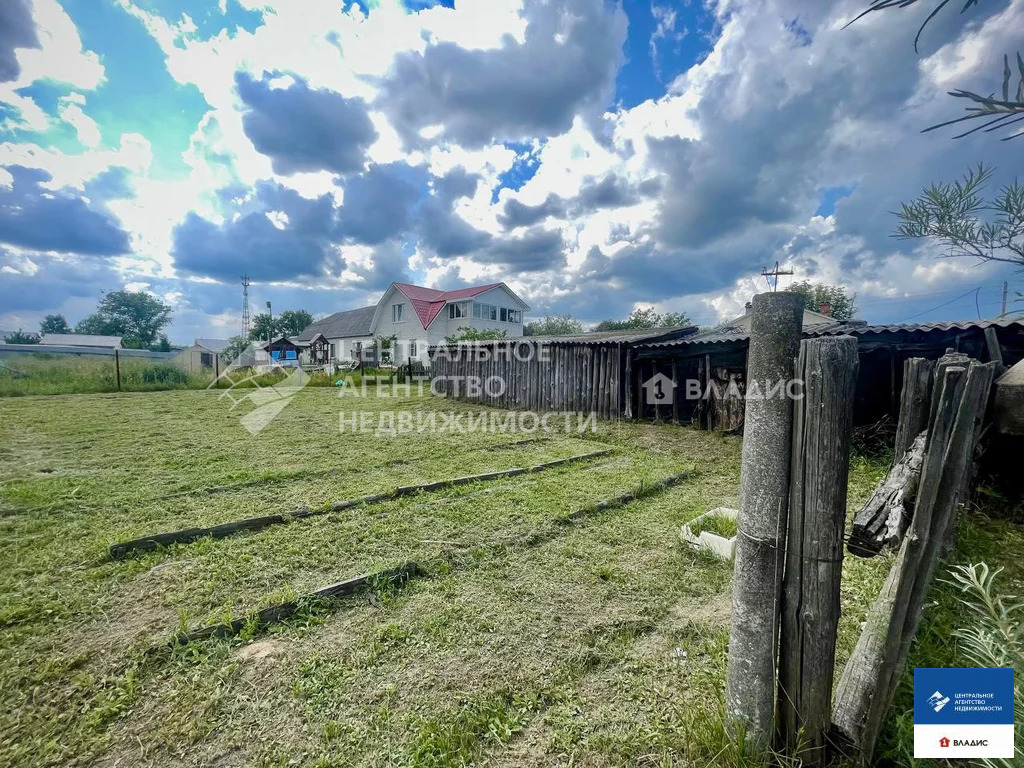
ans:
x=416 y=318
x=81 y=340
x=203 y=354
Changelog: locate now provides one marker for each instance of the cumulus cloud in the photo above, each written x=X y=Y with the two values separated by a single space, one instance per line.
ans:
x=305 y=129
x=34 y=217
x=17 y=30
x=379 y=203
x=565 y=64
x=277 y=235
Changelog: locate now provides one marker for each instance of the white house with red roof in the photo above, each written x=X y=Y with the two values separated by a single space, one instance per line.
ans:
x=417 y=318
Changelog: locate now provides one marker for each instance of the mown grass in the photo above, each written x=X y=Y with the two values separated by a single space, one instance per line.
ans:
x=527 y=642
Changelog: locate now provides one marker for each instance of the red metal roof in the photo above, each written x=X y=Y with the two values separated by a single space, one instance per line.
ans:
x=427 y=302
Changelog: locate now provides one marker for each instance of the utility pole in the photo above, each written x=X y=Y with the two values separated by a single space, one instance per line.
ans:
x=1006 y=287
x=246 y=320
x=270 y=325
x=766 y=273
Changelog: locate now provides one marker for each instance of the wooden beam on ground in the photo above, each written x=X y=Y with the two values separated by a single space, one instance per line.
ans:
x=822 y=426
x=275 y=613
x=627 y=498
x=189 y=535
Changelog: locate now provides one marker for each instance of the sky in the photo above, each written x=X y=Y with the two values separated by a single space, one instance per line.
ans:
x=595 y=156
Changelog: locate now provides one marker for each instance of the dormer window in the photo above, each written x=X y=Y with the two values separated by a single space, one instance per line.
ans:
x=398 y=313
x=458 y=310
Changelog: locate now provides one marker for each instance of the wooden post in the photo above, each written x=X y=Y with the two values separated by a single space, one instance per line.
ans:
x=676 y=392
x=117 y=367
x=822 y=425
x=629 y=383
x=915 y=402
x=995 y=352
x=764 y=501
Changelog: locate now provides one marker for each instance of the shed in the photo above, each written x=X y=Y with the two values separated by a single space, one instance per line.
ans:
x=717 y=360
x=1009 y=402
x=590 y=372
x=203 y=354
x=285 y=351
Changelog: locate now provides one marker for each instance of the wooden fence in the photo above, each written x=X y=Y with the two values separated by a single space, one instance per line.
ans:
x=535 y=375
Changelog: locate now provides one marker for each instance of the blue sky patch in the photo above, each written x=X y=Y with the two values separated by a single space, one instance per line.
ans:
x=830 y=196
x=139 y=95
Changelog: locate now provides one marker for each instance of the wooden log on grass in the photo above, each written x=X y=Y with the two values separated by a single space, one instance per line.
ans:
x=869 y=680
x=764 y=486
x=915 y=403
x=822 y=425
x=281 y=611
x=189 y=535
x=627 y=498
x=884 y=518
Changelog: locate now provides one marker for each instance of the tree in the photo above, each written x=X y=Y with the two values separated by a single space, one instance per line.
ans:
x=163 y=345
x=843 y=304
x=263 y=327
x=1005 y=111
x=20 y=337
x=54 y=324
x=644 y=319
x=136 y=316
x=553 y=325
x=465 y=333
x=293 y=322
x=236 y=346
x=960 y=218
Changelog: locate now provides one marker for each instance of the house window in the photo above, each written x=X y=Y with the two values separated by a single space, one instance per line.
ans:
x=206 y=359
x=398 y=313
x=412 y=348
x=504 y=315
x=458 y=310
x=477 y=309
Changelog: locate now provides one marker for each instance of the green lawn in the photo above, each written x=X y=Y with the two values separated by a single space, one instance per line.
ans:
x=526 y=642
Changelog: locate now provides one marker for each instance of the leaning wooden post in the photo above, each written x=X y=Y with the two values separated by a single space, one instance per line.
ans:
x=822 y=425
x=764 y=500
x=915 y=402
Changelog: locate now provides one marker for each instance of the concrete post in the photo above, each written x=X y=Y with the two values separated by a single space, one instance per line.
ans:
x=777 y=320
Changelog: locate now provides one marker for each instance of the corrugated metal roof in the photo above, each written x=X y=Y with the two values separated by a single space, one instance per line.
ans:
x=596 y=337
x=352 y=323
x=963 y=325
x=214 y=345
x=732 y=333
x=80 y=340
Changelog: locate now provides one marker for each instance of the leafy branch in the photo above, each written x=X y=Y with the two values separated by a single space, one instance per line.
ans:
x=955 y=215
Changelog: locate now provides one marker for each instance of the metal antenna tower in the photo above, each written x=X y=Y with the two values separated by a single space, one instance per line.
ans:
x=245 y=307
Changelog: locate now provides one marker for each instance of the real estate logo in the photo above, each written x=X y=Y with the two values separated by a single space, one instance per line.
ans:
x=938 y=701
x=963 y=713
x=659 y=390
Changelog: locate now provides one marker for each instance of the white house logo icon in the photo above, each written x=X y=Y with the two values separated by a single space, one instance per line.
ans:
x=659 y=390
x=938 y=701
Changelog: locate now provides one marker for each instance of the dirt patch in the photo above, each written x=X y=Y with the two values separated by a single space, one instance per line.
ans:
x=260 y=651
